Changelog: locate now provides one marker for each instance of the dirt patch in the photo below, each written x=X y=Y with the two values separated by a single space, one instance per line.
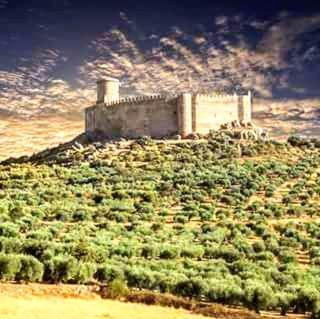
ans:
x=65 y=291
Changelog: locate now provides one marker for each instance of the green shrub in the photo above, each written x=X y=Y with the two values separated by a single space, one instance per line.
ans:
x=9 y=229
x=107 y=273
x=10 y=245
x=85 y=272
x=10 y=265
x=81 y=215
x=225 y=291
x=31 y=269
x=140 y=277
x=149 y=251
x=116 y=289
x=192 y=251
x=258 y=246
x=194 y=287
x=285 y=300
x=180 y=219
x=169 y=252
x=258 y=295
x=61 y=269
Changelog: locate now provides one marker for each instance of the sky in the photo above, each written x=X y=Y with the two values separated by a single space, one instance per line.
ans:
x=52 y=52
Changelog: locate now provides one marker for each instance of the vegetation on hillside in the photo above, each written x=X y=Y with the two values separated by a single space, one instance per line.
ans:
x=216 y=220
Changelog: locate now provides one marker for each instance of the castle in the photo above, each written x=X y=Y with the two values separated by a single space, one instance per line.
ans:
x=161 y=116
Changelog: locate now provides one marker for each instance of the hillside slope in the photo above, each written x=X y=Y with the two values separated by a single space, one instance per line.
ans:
x=217 y=220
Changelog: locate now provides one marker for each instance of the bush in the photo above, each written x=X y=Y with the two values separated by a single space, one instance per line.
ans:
x=9 y=266
x=225 y=291
x=258 y=246
x=149 y=251
x=180 y=219
x=9 y=229
x=258 y=295
x=285 y=301
x=61 y=269
x=192 y=252
x=169 y=252
x=31 y=269
x=81 y=215
x=116 y=289
x=287 y=256
x=107 y=273
x=190 y=288
x=140 y=277
x=85 y=273
x=308 y=299
x=10 y=245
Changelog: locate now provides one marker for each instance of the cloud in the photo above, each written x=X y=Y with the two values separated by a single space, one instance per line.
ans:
x=282 y=37
x=179 y=61
x=172 y=65
x=31 y=89
x=221 y=59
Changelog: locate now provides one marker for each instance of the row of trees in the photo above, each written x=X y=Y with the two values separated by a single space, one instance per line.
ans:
x=178 y=218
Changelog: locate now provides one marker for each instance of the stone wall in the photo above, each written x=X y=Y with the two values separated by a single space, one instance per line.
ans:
x=154 y=116
x=246 y=108
x=159 y=116
x=184 y=114
x=90 y=119
x=210 y=111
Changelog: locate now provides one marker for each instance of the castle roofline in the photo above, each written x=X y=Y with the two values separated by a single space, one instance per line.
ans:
x=107 y=79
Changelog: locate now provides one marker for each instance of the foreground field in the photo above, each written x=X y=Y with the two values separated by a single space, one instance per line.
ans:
x=214 y=220
x=48 y=307
x=35 y=301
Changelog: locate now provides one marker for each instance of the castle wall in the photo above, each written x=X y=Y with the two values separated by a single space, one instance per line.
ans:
x=185 y=114
x=152 y=116
x=246 y=108
x=160 y=116
x=210 y=111
x=90 y=119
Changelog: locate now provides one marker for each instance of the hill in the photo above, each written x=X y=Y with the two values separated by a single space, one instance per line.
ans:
x=215 y=220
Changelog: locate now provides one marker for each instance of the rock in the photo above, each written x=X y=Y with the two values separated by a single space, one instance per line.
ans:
x=193 y=136
x=98 y=145
x=78 y=145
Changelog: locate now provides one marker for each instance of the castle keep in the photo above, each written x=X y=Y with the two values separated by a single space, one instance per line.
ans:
x=160 y=116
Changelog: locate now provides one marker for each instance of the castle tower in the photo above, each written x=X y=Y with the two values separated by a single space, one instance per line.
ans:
x=245 y=107
x=107 y=90
x=185 y=114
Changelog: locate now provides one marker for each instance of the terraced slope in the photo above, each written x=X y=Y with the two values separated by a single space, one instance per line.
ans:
x=217 y=220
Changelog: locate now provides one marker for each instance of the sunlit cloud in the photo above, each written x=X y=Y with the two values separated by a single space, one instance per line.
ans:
x=174 y=64
x=32 y=90
x=165 y=63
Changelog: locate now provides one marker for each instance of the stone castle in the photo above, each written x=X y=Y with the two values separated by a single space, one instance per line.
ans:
x=161 y=116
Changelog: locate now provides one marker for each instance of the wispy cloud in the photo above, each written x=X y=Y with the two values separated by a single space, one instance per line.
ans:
x=221 y=59
x=31 y=89
x=180 y=61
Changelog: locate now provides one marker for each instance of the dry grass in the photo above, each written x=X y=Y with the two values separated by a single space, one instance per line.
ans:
x=50 y=307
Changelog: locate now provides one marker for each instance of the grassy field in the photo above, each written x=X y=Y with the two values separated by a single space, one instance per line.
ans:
x=214 y=220
x=49 y=307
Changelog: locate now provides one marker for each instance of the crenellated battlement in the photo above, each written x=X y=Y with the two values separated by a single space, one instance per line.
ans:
x=136 y=99
x=215 y=97
x=161 y=115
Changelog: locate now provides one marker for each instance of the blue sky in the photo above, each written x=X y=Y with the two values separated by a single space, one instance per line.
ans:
x=51 y=52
